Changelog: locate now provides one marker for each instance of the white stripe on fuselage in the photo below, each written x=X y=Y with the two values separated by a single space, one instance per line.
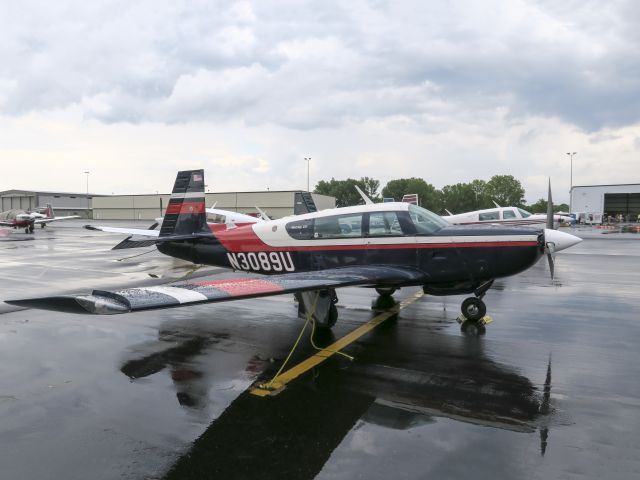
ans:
x=182 y=295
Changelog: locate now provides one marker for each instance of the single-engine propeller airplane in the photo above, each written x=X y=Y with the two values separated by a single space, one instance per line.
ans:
x=385 y=246
x=28 y=220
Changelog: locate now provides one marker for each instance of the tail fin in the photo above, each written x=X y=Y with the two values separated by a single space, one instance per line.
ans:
x=303 y=203
x=48 y=211
x=186 y=213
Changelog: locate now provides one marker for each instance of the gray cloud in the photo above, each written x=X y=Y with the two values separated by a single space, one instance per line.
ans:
x=321 y=64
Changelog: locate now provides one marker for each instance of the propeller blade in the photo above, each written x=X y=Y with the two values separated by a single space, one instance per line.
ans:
x=551 y=266
x=549 y=208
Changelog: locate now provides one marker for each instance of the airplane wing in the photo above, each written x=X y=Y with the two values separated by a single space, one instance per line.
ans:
x=6 y=224
x=185 y=293
x=54 y=219
x=127 y=231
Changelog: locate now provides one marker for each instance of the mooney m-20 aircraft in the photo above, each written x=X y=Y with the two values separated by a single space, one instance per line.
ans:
x=27 y=220
x=385 y=245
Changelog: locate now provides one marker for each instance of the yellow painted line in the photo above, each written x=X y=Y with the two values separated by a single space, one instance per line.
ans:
x=278 y=383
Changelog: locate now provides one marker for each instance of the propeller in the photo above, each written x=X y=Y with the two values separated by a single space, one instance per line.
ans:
x=550 y=246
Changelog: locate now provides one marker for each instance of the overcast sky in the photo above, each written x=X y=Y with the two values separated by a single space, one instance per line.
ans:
x=444 y=90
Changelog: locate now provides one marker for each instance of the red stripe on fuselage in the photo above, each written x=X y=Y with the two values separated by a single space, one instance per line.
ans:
x=245 y=240
x=242 y=286
x=185 y=207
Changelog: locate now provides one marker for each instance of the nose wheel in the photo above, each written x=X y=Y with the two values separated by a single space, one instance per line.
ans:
x=473 y=308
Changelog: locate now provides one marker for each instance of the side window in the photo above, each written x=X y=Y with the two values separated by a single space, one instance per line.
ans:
x=384 y=224
x=495 y=215
x=300 y=230
x=508 y=214
x=216 y=218
x=338 y=226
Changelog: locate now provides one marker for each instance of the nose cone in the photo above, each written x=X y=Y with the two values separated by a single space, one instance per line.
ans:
x=560 y=240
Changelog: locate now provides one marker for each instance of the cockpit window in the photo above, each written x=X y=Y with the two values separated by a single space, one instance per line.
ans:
x=384 y=224
x=426 y=222
x=524 y=213
x=508 y=214
x=494 y=215
x=338 y=226
x=216 y=218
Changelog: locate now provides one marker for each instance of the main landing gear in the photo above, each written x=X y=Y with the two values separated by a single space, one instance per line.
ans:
x=321 y=304
x=29 y=229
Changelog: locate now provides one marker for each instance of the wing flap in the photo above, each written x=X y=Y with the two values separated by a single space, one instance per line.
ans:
x=185 y=293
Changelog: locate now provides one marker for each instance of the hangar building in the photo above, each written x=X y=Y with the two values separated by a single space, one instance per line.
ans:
x=63 y=203
x=276 y=204
x=607 y=200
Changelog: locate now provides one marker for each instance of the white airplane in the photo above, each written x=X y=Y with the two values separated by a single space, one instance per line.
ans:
x=216 y=217
x=505 y=216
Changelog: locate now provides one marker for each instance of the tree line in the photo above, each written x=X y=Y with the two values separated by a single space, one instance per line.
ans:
x=505 y=190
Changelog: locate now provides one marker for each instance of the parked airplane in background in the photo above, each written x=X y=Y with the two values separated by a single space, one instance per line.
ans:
x=216 y=217
x=384 y=245
x=27 y=220
x=505 y=216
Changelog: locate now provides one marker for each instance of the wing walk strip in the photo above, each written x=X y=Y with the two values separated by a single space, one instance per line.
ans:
x=280 y=382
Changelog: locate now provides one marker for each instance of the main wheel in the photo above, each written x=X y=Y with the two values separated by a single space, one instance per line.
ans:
x=385 y=292
x=330 y=320
x=31 y=229
x=473 y=308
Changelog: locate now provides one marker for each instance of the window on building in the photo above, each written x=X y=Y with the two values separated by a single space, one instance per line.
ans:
x=495 y=215
x=506 y=214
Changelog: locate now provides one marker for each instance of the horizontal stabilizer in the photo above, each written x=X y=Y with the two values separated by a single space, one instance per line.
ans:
x=128 y=243
x=147 y=242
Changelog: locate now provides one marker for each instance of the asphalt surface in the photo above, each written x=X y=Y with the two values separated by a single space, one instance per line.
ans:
x=551 y=390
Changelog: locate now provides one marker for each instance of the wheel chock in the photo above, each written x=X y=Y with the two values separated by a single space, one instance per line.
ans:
x=486 y=320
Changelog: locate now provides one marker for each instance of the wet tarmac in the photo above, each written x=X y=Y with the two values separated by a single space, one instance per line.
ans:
x=552 y=390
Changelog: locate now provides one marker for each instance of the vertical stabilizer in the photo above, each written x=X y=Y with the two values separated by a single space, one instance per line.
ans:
x=303 y=203
x=186 y=213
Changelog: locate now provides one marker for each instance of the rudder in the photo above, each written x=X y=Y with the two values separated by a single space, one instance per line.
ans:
x=186 y=213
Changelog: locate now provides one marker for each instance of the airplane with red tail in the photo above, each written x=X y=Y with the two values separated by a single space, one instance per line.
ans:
x=385 y=246
x=28 y=220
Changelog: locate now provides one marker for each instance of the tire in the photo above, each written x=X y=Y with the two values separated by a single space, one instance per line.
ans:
x=385 y=291
x=331 y=319
x=473 y=308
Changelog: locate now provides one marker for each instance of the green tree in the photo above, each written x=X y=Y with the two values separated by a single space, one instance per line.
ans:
x=459 y=198
x=505 y=190
x=541 y=207
x=345 y=192
x=428 y=196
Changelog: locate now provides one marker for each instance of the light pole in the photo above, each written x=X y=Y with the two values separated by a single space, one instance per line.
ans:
x=87 y=174
x=308 y=160
x=571 y=154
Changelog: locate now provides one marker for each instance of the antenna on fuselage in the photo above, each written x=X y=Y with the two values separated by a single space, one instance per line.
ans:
x=450 y=214
x=366 y=199
x=496 y=204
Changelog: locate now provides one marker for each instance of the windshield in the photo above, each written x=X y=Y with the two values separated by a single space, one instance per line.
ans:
x=524 y=213
x=426 y=222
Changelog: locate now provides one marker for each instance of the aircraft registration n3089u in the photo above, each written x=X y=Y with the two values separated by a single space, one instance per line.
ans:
x=384 y=245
